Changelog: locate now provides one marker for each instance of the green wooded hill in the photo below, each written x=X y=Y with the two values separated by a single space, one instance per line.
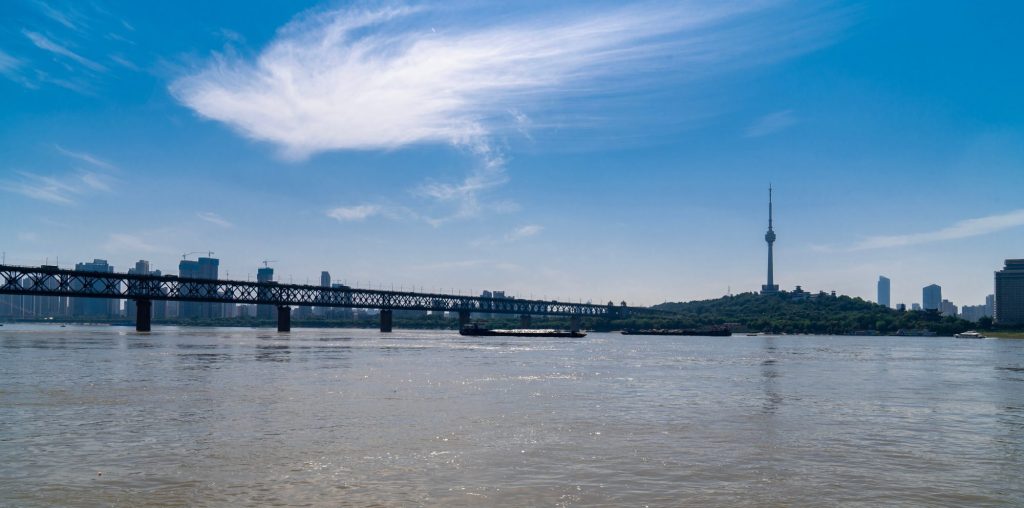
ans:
x=803 y=312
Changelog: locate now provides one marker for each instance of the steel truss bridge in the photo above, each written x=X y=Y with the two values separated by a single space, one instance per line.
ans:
x=143 y=289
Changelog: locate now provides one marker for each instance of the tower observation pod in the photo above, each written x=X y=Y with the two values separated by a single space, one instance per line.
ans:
x=769 y=237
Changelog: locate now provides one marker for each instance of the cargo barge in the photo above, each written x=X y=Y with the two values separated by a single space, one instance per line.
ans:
x=479 y=331
x=714 y=332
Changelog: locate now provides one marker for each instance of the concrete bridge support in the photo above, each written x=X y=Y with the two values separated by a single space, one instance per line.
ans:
x=385 y=320
x=464 y=318
x=574 y=323
x=284 y=318
x=524 y=321
x=143 y=314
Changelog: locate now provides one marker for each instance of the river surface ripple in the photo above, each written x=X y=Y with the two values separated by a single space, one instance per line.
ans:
x=101 y=416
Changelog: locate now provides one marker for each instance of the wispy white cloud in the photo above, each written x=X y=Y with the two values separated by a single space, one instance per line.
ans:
x=44 y=43
x=124 y=62
x=524 y=232
x=94 y=181
x=120 y=38
x=958 y=230
x=85 y=157
x=60 y=190
x=120 y=243
x=213 y=218
x=515 y=235
x=8 y=63
x=59 y=16
x=371 y=79
x=771 y=123
x=465 y=195
x=354 y=213
x=42 y=188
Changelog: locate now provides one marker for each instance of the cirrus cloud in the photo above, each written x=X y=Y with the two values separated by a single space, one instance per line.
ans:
x=386 y=78
x=959 y=230
x=354 y=213
x=215 y=219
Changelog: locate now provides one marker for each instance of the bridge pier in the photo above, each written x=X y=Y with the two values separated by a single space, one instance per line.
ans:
x=143 y=314
x=284 y=318
x=464 y=318
x=574 y=323
x=524 y=321
x=385 y=320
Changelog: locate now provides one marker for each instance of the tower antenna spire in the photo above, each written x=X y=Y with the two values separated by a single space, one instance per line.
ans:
x=769 y=238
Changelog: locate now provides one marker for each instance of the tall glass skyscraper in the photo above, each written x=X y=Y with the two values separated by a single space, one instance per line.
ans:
x=883 y=290
x=265 y=274
x=203 y=268
x=931 y=297
x=95 y=307
x=1009 y=301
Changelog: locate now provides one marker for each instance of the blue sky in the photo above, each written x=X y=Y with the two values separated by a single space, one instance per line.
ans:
x=590 y=150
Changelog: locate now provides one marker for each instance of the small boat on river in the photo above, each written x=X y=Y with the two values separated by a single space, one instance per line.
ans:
x=479 y=331
x=969 y=335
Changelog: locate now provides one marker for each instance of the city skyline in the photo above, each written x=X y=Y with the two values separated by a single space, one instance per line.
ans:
x=636 y=176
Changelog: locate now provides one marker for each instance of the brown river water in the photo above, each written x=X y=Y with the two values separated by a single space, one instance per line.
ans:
x=103 y=416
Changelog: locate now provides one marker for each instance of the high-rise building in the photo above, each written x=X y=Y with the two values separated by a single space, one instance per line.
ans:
x=159 y=309
x=1009 y=297
x=931 y=297
x=883 y=290
x=771 y=286
x=203 y=268
x=990 y=305
x=265 y=274
x=915 y=306
x=35 y=306
x=974 y=312
x=6 y=305
x=95 y=307
x=325 y=282
x=302 y=312
x=946 y=308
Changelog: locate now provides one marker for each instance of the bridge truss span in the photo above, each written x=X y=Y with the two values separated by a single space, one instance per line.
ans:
x=52 y=281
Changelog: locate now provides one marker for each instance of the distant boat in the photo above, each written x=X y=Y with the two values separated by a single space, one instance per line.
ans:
x=969 y=335
x=903 y=332
x=714 y=332
x=479 y=331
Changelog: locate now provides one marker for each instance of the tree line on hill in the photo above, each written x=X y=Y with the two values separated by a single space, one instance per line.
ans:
x=822 y=313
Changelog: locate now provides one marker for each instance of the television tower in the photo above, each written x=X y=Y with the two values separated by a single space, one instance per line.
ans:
x=769 y=237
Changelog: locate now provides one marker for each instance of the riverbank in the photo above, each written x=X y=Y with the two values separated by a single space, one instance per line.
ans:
x=1006 y=335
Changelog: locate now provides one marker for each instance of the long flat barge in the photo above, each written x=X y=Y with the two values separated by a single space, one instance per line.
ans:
x=717 y=332
x=479 y=331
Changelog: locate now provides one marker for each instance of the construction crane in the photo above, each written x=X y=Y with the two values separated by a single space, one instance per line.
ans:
x=187 y=254
x=266 y=262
